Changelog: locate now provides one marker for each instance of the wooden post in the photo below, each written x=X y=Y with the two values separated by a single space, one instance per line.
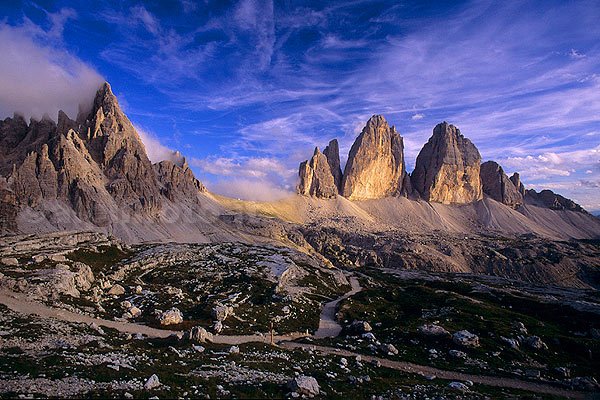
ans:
x=272 y=343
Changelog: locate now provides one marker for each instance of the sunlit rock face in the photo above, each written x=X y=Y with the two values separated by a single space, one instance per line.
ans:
x=447 y=168
x=375 y=167
x=498 y=186
x=316 y=178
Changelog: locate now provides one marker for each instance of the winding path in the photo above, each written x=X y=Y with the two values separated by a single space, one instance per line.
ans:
x=327 y=328
x=425 y=370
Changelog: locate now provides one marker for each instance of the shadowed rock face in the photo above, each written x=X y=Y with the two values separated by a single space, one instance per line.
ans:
x=498 y=186
x=96 y=164
x=516 y=180
x=332 y=152
x=375 y=167
x=178 y=181
x=554 y=201
x=447 y=168
x=316 y=178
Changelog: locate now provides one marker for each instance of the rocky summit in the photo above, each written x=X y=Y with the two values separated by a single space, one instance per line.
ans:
x=90 y=170
x=447 y=168
x=332 y=152
x=498 y=186
x=515 y=178
x=316 y=178
x=375 y=166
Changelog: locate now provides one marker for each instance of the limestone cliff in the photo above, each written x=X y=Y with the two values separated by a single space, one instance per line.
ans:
x=332 y=152
x=178 y=181
x=96 y=165
x=498 y=186
x=447 y=168
x=316 y=178
x=516 y=180
x=375 y=167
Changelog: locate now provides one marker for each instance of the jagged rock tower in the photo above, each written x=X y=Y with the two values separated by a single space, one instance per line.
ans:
x=447 y=168
x=375 y=166
x=498 y=186
x=316 y=178
x=96 y=165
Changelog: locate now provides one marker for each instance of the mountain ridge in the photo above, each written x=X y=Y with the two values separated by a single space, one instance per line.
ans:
x=93 y=173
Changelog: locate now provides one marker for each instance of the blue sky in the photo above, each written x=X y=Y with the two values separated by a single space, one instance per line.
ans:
x=246 y=89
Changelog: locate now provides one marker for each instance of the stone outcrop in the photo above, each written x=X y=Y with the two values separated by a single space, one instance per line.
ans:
x=375 y=167
x=316 y=178
x=516 y=180
x=178 y=181
x=447 y=168
x=498 y=186
x=554 y=201
x=332 y=152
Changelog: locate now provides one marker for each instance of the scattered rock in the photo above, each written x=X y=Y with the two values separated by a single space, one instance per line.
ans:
x=433 y=330
x=389 y=349
x=519 y=327
x=466 y=338
x=9 y=261
x=532 y=373
x=198 y=349
x=458 y=354
x=359 y=327
x=152 y=383
x=458 y=386
x=564 y=372
x=220 y=313
x=199 y=334
x=217 y=327
x=234 y=350
x=512 y=343
x=535 y=342
x=305 y=385
x=585 y=383
x=171 y=317
x=135 y=312
x=116 y=290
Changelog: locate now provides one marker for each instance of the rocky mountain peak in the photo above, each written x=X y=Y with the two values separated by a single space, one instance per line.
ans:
x=316 y=178
x=96 y=165
x=375 y=166
x=516 y=180
x=447 y=168
x=332 y=152
x=498 y=186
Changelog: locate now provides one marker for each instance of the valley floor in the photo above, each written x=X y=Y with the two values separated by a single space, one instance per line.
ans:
x=84 y=316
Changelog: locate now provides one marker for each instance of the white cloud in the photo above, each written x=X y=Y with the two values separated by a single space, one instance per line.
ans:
x=417 y=117
x=38 y=75
x=249 y=189
x=156 y=151
x=248 y=167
